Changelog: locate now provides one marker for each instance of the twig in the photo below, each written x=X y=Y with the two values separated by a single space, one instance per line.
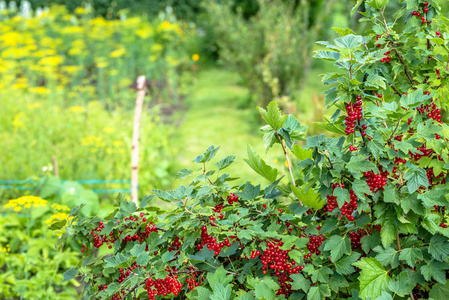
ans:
x=133 y=289
x=405 y=68
x=395 y=90
x=161 y=229
x=397 y=240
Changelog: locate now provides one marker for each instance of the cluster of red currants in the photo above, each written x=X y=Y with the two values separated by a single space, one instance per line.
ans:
x=175 y=245
x=354 y=111
x=163 y=287
x=425 y=10
x=387 y=58
x=331 y=199
x=376 y=181
x=192 y=283
x=348 y=208
x=211 y=243
x=232 y=198
x=431 y=111
x=314 y=245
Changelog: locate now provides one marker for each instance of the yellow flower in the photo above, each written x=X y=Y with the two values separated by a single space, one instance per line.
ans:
x=108 y=130
x=40 y=90
x=195 y=57
x=56 y=217
x=117 y=143
x=117 y=53
x=77 y=109
x=60 y=207
x=275 y=160
x=26 y=201
x=51 y=61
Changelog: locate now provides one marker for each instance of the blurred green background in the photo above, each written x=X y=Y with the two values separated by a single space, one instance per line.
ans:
x=67 y=100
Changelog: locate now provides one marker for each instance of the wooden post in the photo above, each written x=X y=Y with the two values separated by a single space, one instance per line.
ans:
x=55 y=166
x=141 y=89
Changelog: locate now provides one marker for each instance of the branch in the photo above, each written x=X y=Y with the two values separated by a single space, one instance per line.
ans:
x=405 y=68
x=396 y=91
x=133 y=289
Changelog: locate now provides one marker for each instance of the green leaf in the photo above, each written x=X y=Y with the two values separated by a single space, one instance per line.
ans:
x=115 y=260
x=377 y=4
x=309 y=198
x=376 y=81
x=413 y=99
x=225 y=162
x=373 y=278
x=168 y=256
x=387 y=232
x=202 y=293
x=183 y=173
x=439 y=247
x=321 y=274
x=250 y=192
x=299 y=282
x=219 y=277
x=146 y=199
x=273 y=115
x=349 y=41
x=327 y=55
x=388 y=256
x=319 y=292
x=344 y=265
x=411 y=255
x=361 y=188
x=343 y=31
x=370 y=241
x=266 y=289
x=259 y=166
x=403 y=284
x=440 y=291
x=342 y=196
x=127 y=208
x=57 y=225
x=208 y=155
x=391 y=194
x=358 y=164
x=338 y=246
x=436 y=270
x=221 y=292
x=416 y=177
x=69 y=274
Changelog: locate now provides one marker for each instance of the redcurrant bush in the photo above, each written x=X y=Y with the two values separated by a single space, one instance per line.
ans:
x=358 y=215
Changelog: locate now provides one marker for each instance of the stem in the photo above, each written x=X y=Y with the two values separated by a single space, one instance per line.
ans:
x=28 y=250
x=385 y=22
x=397 y=241
x=395 y=90
x=394 y=131
x=288 y=160
x=405 y=68
x=133 y=289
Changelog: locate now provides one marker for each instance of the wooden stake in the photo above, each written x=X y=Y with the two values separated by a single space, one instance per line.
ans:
x=55 y=166
x=141 y=89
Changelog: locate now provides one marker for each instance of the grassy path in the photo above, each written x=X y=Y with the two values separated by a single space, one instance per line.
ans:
x=212 y=118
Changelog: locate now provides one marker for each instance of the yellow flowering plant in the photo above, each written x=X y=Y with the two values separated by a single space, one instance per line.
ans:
x=31 y=267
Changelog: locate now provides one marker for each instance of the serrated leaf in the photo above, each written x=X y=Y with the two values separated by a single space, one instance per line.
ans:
x=387 y=232
x=342 y=196
x=440 y=291
x=436 y=270
x=344 y=265
x=273 y=115
x=225 y=162
x=259 y=166
x=182 y=174
x=439 y=247
x=202 y=293
x=373 y=278
x=411 y=255
x=309 y=198
x=299 y=282
x=250 y=192
x=327 y=55
x=168 y=256
x=343 y=31
x=221 y=292
x=388 y=256
x=413 y=99
x=416 y=177
x=69 y=274
x=338 y=246
x=266 y=289
x=358 y=164
x=376 y=81
x=208 y=155
x=219 y=276
x=403 y=284
x=370 y=241
x=319 y=292
x=349 y=41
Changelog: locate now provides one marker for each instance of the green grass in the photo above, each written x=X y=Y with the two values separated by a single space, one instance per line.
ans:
x=213 y=119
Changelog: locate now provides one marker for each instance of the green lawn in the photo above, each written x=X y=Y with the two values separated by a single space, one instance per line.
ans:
x=212 y=118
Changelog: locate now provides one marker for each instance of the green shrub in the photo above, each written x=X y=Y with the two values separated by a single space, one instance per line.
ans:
x=271 y=50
